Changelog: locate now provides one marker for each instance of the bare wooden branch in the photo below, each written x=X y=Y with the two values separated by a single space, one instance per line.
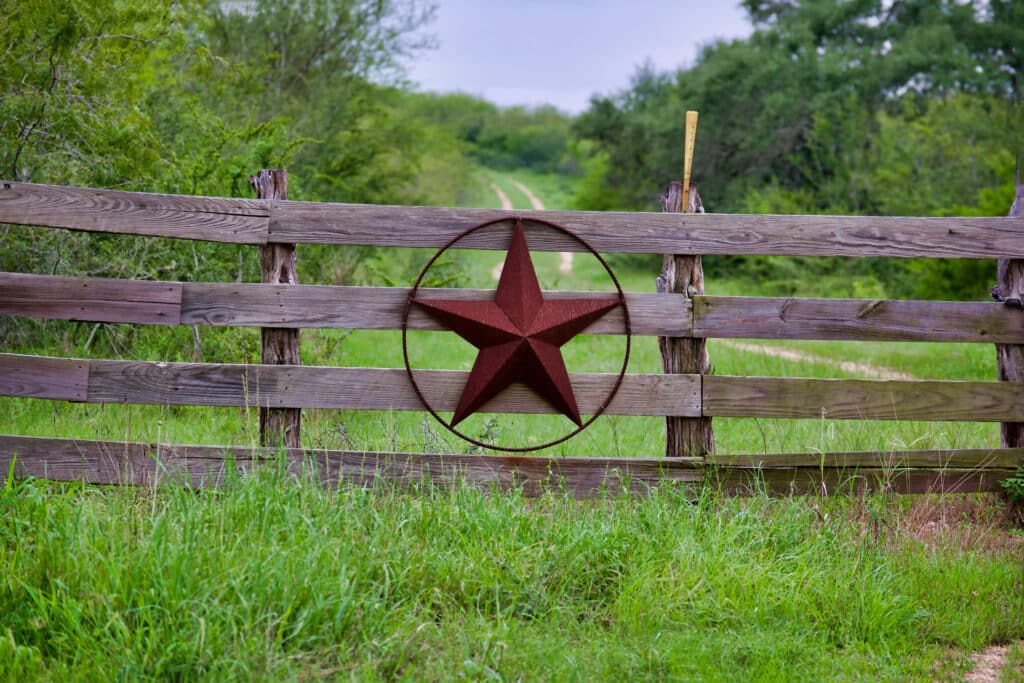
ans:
x=278 y=345
x=684 y=275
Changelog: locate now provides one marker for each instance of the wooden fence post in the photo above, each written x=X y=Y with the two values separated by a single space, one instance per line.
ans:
x=1010 y=288
x=684 y=274
x=279 y=346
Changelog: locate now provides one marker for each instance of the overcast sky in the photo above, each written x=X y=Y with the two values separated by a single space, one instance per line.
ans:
x=563 y=51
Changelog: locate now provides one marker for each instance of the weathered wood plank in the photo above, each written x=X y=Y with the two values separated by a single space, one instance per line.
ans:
x=288 y=386
x=855 y=399
x=809 y=481
x=148 y=464
x=965 y=458
x=246 y=222
x=64 y=379
x=214 y=219
x=657 y=233
x=268 y=305
x=91 y=299
x=381 y=308
x=856 y=319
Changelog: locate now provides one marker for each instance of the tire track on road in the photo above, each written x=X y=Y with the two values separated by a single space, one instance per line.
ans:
x=565 y=262
x=506 y=203
x=864 y=369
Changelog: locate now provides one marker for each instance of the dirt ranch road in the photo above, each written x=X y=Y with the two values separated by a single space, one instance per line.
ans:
x=871 y=371
x=565 y=264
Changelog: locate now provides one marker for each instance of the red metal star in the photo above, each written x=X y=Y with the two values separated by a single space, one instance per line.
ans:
x=519 y=335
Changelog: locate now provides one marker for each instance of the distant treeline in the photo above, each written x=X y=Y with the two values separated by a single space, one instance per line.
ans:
x=839 y=106
x=910 y=107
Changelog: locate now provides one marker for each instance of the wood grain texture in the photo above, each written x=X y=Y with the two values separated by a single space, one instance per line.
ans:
x=299 y=306
x=1010 y=288
x=246 y=222
x=855 y=399
x=287 y=386
x=856 y=319
x=63 y=379
x=148 y=464
x=654 y=233
x=967 y=458
x=683 y=275
x=381 y=308
x=859 y=481
x=214 y=219
x=90 y=299
x=278 y=345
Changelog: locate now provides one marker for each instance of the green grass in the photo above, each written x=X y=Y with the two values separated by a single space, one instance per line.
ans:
x=278 y=578
x=554 y=191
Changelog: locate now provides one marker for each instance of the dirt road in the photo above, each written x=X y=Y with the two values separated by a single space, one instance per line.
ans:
x=863 y=369
x=565 y=264
x=506 y=203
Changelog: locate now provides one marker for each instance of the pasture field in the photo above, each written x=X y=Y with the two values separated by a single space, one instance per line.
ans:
x=275 y=577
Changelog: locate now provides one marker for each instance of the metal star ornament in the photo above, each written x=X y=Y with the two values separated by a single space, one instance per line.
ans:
x=519 y=335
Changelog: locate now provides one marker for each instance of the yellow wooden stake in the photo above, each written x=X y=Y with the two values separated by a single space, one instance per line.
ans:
x=691 y=138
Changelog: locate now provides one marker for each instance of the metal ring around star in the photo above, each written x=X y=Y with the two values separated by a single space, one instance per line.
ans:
x=405 y=329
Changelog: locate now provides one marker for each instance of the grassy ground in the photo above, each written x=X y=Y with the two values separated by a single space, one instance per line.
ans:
x=275 y=577
x=282 y=580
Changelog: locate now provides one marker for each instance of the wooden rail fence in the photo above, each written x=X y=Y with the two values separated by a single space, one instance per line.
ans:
x=680 y=312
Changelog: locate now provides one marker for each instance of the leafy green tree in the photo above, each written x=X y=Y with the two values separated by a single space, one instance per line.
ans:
x=838 y=106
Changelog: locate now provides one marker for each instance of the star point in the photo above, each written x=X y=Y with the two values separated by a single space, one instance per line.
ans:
x=519 y=335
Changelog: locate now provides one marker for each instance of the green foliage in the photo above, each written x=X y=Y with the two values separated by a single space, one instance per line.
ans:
x=831 y=107
x=1014 y=487
x=510 y=138
x=192 y=97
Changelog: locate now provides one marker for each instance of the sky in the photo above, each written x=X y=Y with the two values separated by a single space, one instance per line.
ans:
x=563 y=51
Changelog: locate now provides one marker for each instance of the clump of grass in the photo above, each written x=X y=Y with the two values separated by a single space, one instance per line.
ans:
x=275 y=576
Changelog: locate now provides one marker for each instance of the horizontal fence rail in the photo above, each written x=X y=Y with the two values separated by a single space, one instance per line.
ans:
x=292 y=386
x=856 y=320
x=247 y=221
x=381 y=308
x=148 y=464
x=300 y=306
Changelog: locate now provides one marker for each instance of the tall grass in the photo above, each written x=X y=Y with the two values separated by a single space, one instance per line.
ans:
x=279 y=578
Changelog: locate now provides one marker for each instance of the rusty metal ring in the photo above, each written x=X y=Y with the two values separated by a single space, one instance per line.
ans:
x=405 y=328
